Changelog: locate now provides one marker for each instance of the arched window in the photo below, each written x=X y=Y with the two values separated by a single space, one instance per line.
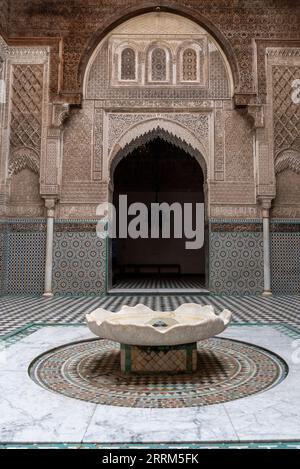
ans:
x=128 y=64
x=158 y=65
x=189 y=65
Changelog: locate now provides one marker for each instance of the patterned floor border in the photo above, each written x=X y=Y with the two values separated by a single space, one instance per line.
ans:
x=16 y=312
x=11 y=338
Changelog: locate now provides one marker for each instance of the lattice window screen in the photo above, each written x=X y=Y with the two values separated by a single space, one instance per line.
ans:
x=128 y=64
x=189 y=65
x=158 y=65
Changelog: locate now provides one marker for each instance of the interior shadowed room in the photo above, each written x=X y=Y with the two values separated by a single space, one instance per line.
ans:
x=150 y=224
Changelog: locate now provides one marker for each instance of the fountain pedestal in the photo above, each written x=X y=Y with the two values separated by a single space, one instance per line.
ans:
x=158 y=359
x=157 y=341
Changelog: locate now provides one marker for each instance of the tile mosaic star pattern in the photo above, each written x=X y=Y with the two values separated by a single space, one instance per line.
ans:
x=285 y=261
x=236 y=263
x=16 y=312
x=271 y=416
x=79 y=263
x=90 y=371
x=24 y=273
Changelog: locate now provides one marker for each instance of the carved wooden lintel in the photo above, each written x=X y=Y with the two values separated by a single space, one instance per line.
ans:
x=244 y=99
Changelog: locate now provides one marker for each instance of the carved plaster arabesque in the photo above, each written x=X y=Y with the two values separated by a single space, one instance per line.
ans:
x=26 y=106
x=219 y=145
x=147 y=137
x=275 y=122
x=288 y=159
x=97 y=163
x=25 y=56
x=282 y=116
x=103 y=88
x=51 y=169
x=283 y=66
x=23 y=150
x=99 y=77
x=135 y=125
x=23 y=158
x=196 y=123
x=60 y=112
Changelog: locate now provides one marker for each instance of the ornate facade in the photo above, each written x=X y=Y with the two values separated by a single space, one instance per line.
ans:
x=82 y=86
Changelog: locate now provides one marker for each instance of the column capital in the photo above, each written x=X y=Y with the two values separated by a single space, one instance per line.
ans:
x=266 y=203
x=50 y=206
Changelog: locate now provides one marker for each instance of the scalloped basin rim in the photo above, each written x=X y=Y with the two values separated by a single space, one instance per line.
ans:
x=160 y=330
x=131 y=324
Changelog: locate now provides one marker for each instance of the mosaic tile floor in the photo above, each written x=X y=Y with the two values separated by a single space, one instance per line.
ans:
x=180 y=284
x=16 y=312
x=90 y=371
x=32 y=415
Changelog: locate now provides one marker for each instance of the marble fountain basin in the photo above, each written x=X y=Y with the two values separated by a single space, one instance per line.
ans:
x=141 y=326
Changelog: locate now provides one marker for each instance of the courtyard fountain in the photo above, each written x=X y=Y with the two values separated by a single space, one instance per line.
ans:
x=155 y=359
x=153 y=341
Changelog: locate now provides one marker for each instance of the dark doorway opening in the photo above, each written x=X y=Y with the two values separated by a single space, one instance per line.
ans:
x=158 y=172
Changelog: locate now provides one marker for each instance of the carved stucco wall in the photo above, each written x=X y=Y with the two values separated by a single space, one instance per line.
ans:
x=78 y=171
x=111 y=117
x=283 y=71
x=107 y=114
x=284 y=124
x=191 y=129
x=81 y=23
x=4 y=6
x=23 y=122
x=200 y=116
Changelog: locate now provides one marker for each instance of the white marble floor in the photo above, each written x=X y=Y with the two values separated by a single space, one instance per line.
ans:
x=29 y=413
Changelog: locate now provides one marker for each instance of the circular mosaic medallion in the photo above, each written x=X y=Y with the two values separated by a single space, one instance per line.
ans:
x=90 y=371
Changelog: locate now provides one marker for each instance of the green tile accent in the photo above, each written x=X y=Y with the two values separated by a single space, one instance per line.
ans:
x=127 y=358
x=189 y=356
x=159 y=446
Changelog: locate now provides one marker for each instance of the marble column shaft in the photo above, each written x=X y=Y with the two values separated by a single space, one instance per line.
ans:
x=267 y=248
x=50 y=205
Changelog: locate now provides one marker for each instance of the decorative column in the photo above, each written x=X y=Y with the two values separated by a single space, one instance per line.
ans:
x=265 y=178
x=4 y=140
x=51 y=179
x=50 y=206
x=266 y=205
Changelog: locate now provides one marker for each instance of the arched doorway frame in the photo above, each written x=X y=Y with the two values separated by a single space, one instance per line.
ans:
x=195 y=125
x=174 y=134
x=169 y=131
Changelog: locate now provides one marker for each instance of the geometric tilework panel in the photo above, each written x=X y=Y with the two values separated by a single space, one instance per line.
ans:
x=236 y=263
x=25 y=263
x=79 y=266
x=285 y=263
